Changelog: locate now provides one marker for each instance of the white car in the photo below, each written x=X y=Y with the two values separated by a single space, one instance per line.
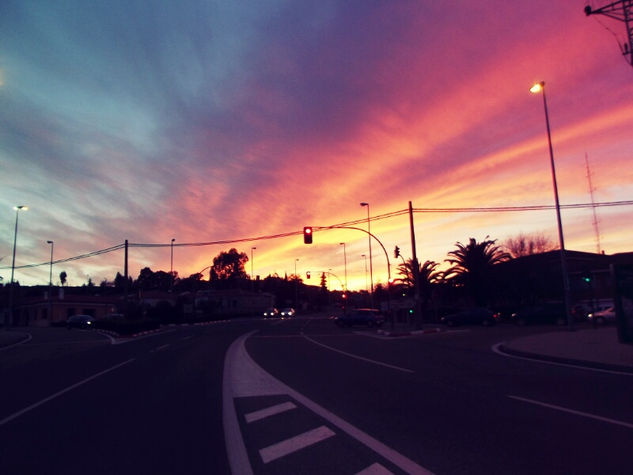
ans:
x=603 y=316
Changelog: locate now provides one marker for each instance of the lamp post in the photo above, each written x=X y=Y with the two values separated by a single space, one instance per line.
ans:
x=345 y=261
x=15 y=239
x=296 y=284
x=252 y=275
x=371 y=268
x=50 y=277
x=50 y=285
x=365 y=258
x=535 y=89
x=171 y=265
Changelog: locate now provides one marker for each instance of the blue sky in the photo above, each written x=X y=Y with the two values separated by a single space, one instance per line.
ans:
x=208 y=121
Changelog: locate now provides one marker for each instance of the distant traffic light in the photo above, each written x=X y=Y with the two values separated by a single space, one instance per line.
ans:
x=396 y=252
x=307 y=235
x=586 y=278
x=307 y=274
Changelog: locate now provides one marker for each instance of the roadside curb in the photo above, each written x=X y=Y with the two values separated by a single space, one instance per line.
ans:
x=503 y=348
x=408 y=332
x=11 y=342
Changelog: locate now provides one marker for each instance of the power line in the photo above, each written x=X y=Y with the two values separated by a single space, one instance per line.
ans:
x=392 y=214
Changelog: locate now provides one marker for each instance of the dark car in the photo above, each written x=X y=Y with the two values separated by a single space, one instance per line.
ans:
x=361 y=316
x=271 y=312
x=471 y=316
x=547 y=313
x=80 y=321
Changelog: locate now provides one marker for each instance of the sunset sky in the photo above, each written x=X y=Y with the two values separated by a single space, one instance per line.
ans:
x=210 y=121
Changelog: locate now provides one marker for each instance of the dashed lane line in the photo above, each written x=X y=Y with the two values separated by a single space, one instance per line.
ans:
x=294 y=444
x=572 y=411
x=269 y=411
x=361 y=358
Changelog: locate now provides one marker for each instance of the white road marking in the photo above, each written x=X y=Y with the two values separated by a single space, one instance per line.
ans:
x=572 y=411
x=496 y=348
x=63 y=391
x=29 y=337
x=162 y=347
x=375 y=469
x=296 y=443
x=269 y=411
x=351 y=355
x=243 y=377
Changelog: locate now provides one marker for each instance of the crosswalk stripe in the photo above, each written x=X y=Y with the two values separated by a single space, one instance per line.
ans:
x=294 y=444
x=375 y=469
x=269 y=411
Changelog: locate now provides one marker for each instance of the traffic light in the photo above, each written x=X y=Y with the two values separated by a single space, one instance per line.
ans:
x=396 y=252
x=307 y=235
x=587 y=278
x=307 y=274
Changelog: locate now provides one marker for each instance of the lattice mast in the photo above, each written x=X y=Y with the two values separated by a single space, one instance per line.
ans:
x=621 y=11
x=593 y=205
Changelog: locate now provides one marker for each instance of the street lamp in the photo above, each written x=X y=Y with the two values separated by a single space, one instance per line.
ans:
x=50 y=277
x=365 y=258
x=50 y=285
x=344 y=260
x=371 y=268
x=15 y=239
x=171 y=265
x=535 y=89
x=252 y=249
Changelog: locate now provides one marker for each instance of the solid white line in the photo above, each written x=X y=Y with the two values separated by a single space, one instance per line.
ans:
x=495 y=348
x=572 y=411
x=375 y=469
x=63 y=391
x=296 y=443
x=380 y=363
x=29 y=337
x=162 y=347
x=269 y=411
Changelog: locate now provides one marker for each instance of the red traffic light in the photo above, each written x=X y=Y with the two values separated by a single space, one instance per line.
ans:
x=307 y=235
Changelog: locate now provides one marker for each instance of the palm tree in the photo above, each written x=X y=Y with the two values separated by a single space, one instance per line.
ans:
x=472 y=265
x=427 y=273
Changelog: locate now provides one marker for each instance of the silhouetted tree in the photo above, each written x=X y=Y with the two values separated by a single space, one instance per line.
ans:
x=62 y=277
x=427 y=273
x=528 y=244
x=471 y=267
x=229 y=266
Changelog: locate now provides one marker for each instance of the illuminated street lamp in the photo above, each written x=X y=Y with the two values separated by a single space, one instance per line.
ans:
x=371 y=268
x=345 y=260
x=535 y=89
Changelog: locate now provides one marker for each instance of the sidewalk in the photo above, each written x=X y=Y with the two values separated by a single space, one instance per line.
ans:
x=595 y=348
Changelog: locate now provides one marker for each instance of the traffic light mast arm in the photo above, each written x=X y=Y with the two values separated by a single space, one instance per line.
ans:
x=366 y=232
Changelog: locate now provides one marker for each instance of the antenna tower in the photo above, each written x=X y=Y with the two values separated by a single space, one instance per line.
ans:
x=621 y=11
x=593 y=205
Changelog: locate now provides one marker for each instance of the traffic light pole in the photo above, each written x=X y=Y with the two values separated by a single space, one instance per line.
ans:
x=416 y=272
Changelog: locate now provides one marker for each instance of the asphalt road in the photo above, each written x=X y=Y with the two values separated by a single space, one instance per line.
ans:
x=307 y=397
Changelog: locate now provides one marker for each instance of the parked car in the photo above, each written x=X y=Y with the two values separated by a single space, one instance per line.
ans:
x=79 y=321
x=548 y=313
x=271 y=313
x=360 y=316
x=603 y=316
x=287 y=312
x=471 y=316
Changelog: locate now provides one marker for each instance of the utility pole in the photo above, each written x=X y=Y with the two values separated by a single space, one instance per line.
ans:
x=416 y=270
x=621 y=10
